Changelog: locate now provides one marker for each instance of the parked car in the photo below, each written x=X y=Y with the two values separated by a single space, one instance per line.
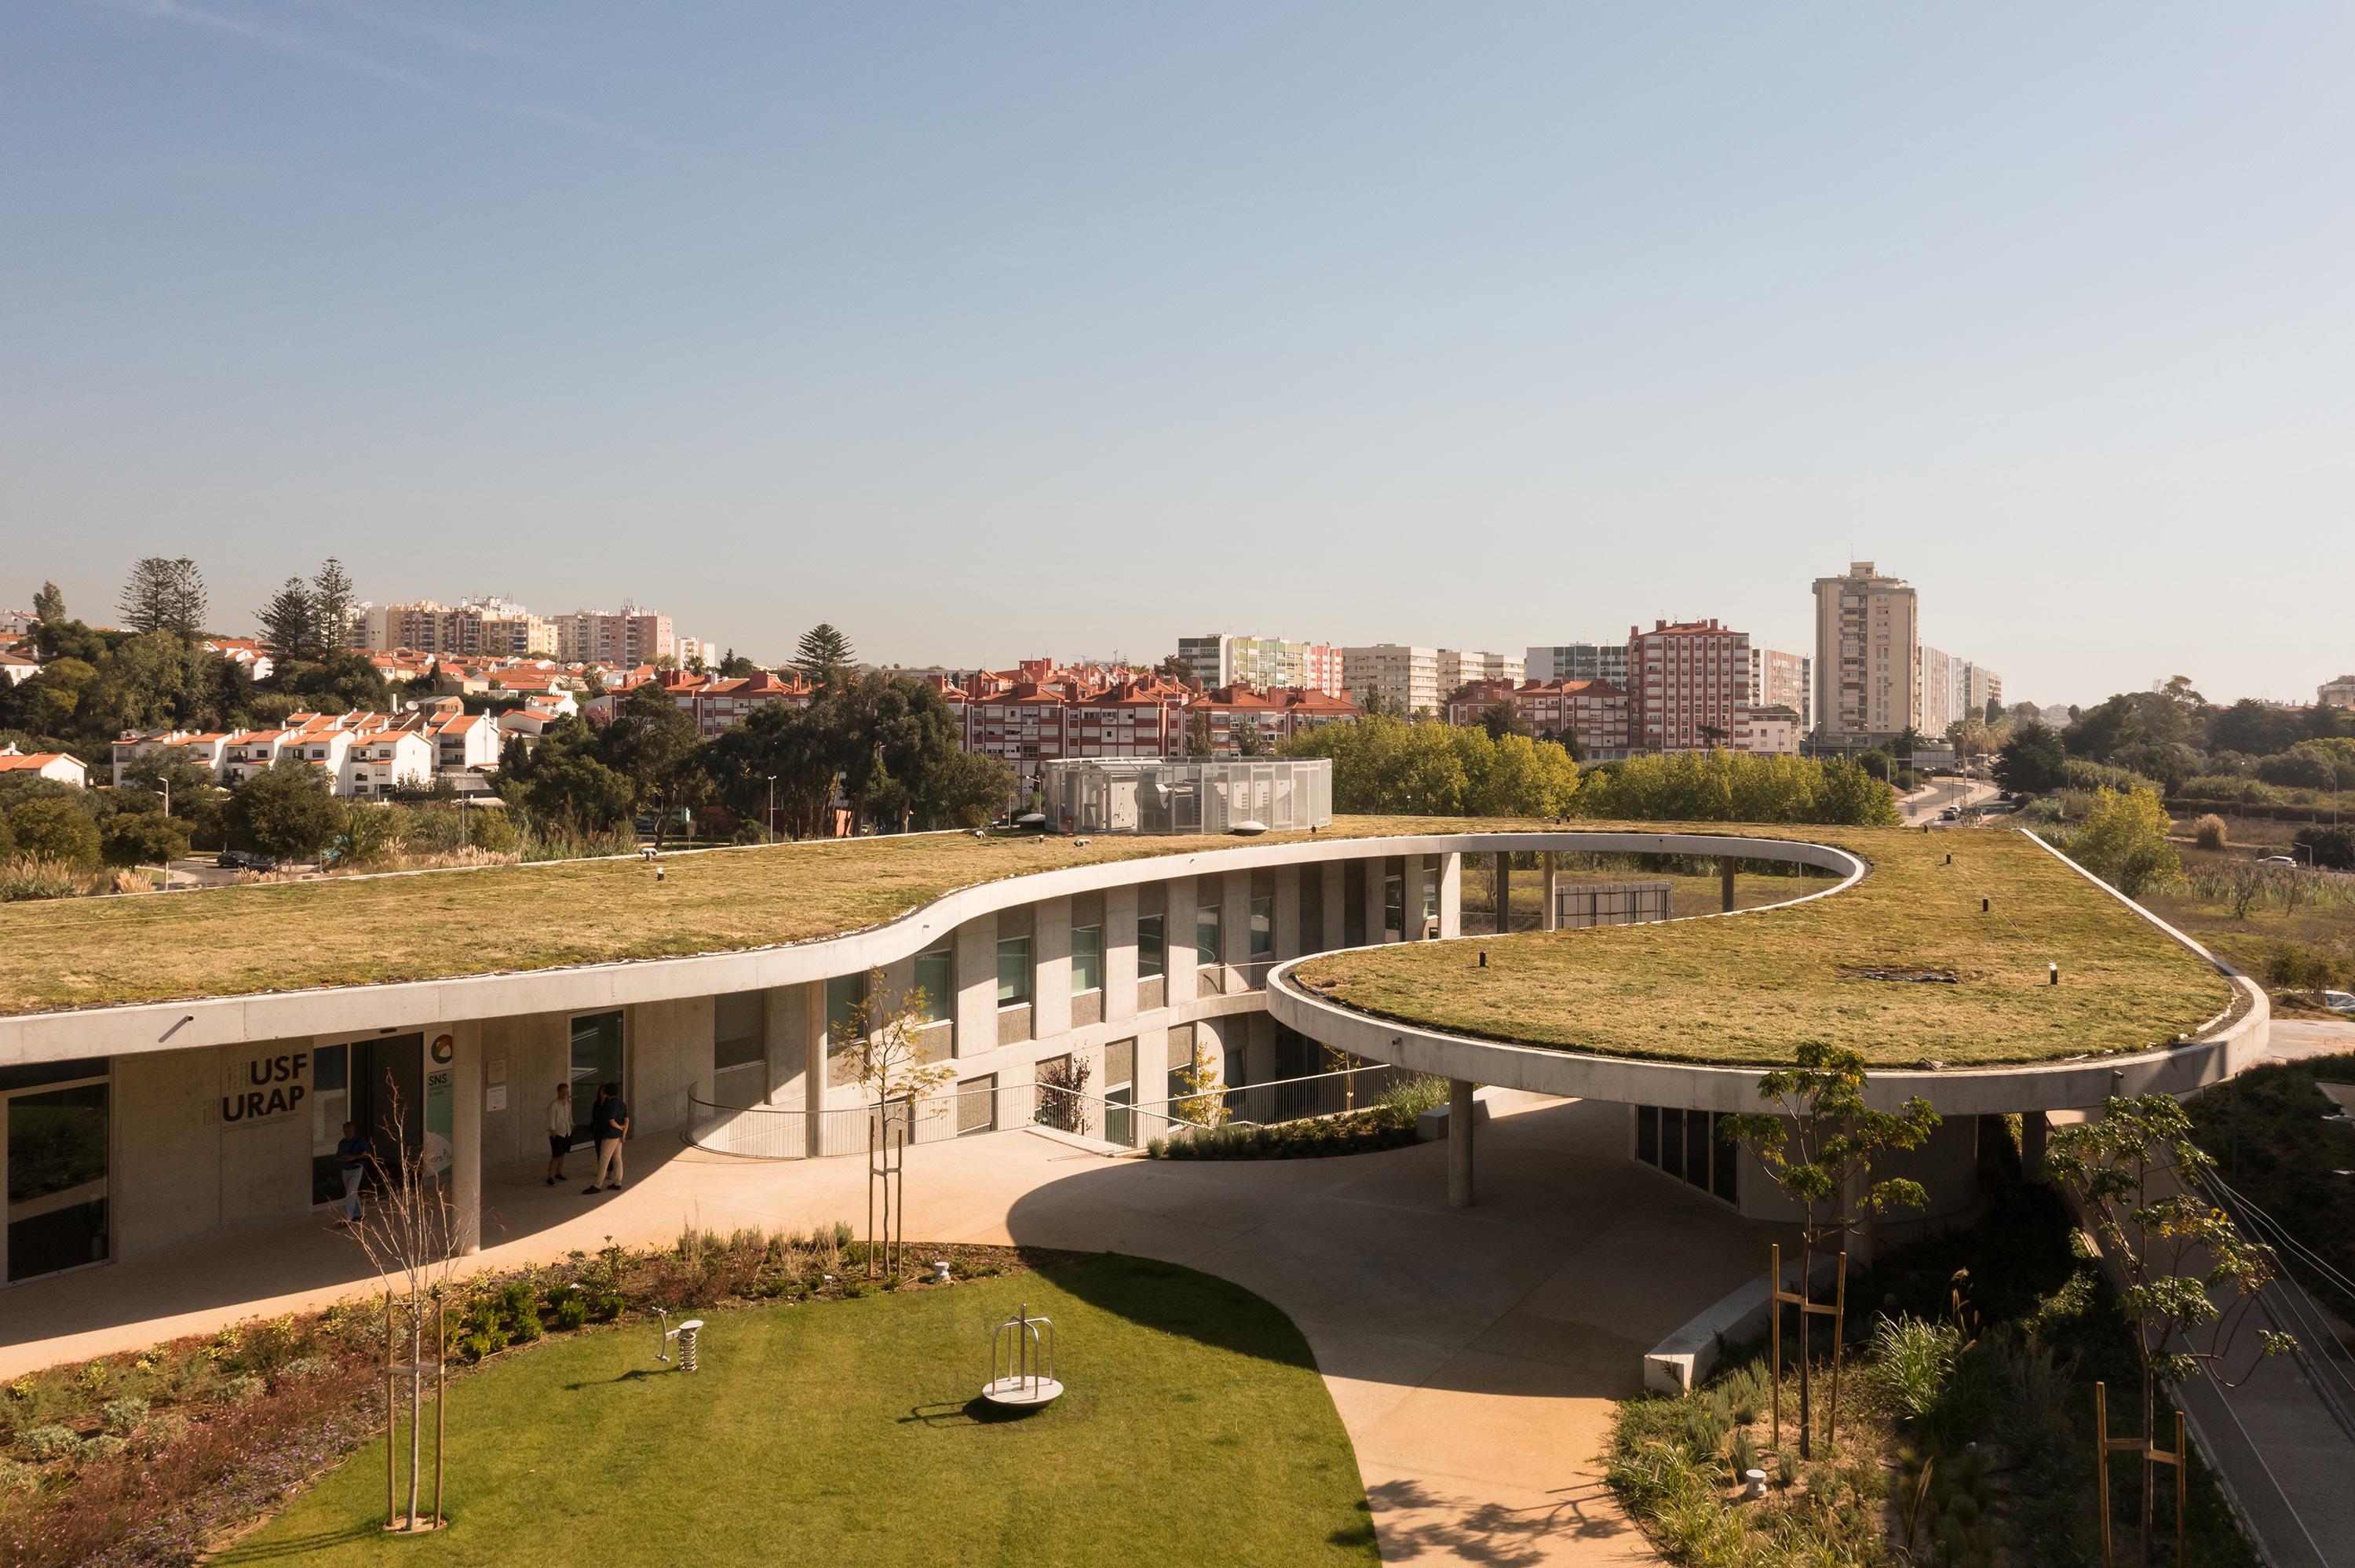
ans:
x=2290 y=861
x=2338 y=1000
x=231 y=860
x=1951 y=814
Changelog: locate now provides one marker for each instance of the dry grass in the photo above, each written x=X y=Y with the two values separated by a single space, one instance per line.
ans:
x=1750 y=988
x=1746 y=989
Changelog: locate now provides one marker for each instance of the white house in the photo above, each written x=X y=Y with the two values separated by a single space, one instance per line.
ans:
x=53 y=765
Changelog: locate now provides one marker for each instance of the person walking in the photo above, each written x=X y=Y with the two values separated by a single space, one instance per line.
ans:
x=559 y=1131
x=611 y=1122
x=354 y=1154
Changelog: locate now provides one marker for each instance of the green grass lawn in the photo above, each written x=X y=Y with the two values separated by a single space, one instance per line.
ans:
x=1748 y=989
x=1196 y=1430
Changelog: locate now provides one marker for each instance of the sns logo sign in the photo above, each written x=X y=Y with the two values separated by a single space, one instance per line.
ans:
x=266 y=1087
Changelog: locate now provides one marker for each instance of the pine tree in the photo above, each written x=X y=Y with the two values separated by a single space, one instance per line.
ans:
x=290 y=621
x=48 y=604
x=824 y=655
x=147 y=594
x=331 y=606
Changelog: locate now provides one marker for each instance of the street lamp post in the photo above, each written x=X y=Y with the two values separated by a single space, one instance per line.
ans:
x=769 y=822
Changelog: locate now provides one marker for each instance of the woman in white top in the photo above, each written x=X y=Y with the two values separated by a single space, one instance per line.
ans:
x=559 y=1131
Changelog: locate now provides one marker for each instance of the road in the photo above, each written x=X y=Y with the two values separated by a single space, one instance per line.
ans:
x=1940 y=793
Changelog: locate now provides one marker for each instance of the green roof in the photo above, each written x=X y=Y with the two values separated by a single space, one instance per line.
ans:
x=1744 y=989
x=1903 y=968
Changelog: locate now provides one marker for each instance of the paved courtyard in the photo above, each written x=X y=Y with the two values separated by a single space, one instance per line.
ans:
x=1471 y=1354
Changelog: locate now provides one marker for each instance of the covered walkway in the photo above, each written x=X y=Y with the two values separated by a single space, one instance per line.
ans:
x=1472 y=1353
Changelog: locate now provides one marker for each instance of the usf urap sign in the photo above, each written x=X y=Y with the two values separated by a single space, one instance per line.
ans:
x=262 y=1089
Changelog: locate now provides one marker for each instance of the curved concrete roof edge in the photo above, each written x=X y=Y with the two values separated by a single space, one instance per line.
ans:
x=2227 y=1044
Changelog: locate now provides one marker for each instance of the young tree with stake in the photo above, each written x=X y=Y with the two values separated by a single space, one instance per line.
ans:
x=2137 y=1177
x=1820 y=1144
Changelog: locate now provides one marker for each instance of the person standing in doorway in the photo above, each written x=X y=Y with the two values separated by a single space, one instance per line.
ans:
x=611 y=1122
x=353 y=1156
x=559 y=1131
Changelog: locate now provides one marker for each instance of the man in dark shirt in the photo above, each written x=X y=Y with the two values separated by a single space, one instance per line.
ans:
x=352 y=1154
x=610 y=1123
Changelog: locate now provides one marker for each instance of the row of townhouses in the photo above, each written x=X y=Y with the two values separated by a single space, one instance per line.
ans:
x=362 y=754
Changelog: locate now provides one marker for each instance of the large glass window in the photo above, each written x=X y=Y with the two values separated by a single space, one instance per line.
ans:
x=1013 y=971
x=596 y=1059
x=739 y=1030
x=1394 y=901
x=1151 y=946
x=1087 y=959
x=1263 y=926
x=1209 y=951
x=936 y=983
x=57 y=1141
x=846 y=997
x=331 y=1102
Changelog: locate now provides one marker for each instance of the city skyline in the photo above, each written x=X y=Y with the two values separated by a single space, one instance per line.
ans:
x=1673 y=314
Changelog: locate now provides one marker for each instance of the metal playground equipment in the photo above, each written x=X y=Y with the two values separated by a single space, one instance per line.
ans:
x=1022 y=1363
x=683 y=1336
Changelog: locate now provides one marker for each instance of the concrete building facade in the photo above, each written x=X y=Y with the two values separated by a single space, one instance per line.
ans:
x=1688 y=685
x=635 y=636
x=1399 y=678
x=1577 y=662
x=1226 y=659
x=1779 y=680
x=1867 y=659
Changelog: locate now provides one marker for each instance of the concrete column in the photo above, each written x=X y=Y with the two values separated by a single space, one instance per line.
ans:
x=2035 y=1128
x=976 y=987
x=813 y=1058
x=1500 y=866
x=1337 y=898
x=1234 y=925
x=1549 y=918
x=1377 y=873
x=1287 y=913
x=1050 y=973
x=1177 y=930
x=1725 y=863
x=1119 y=954
x=1451 y=895
x=1460 y=1113
x=466 y=1134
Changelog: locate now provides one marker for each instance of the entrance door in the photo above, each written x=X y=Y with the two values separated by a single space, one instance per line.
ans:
x=596 y=1059
x=58 y=1147
x=1120 y=1092
x=389 y=1072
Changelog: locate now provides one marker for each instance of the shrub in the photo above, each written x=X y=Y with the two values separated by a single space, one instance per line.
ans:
x=1911 y=1361
x=1410 y=1098
x=143 y=837
x=47 y=1443
x=572 y=1312
x=54 y=829
x=527 y=1327
x=103 y=1445
x=2332 y=848
x=2297 y=966
x=306 y=1366
x=125 y=1415
x=243 y=1389
x=2208 y=833
x=17 y=1477
x=33 y=877
x=474 y=1346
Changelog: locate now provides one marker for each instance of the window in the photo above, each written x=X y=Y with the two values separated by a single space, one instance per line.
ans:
x=1087 y=959
x=1013 y=971
x=846 y=995
x=740 y=1031
x=937 y=981
x=1151 y=948
x=1207 y=952
x=977 y=1103
x=1263 y=926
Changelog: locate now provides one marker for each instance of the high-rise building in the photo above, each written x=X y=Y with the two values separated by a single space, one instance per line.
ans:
x=1688 y=685
x=476 y=627
x=1937 y=713
x=2338 y=693
x=1867 y=659
x=1976 y=686
x=1223 y=659
x=1579 y=662
x=1398 y=678
x=1458 y=669
x=1779 y=680
x=626 y=640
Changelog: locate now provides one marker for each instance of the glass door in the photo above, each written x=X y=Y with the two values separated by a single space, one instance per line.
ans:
x=596 y=1059
x=59 y=1153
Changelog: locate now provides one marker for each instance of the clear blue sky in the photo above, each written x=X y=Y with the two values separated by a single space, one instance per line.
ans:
x=991 y=330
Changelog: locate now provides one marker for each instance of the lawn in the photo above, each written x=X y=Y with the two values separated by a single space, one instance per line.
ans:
x=1748 y=990
x=1196 y=1430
